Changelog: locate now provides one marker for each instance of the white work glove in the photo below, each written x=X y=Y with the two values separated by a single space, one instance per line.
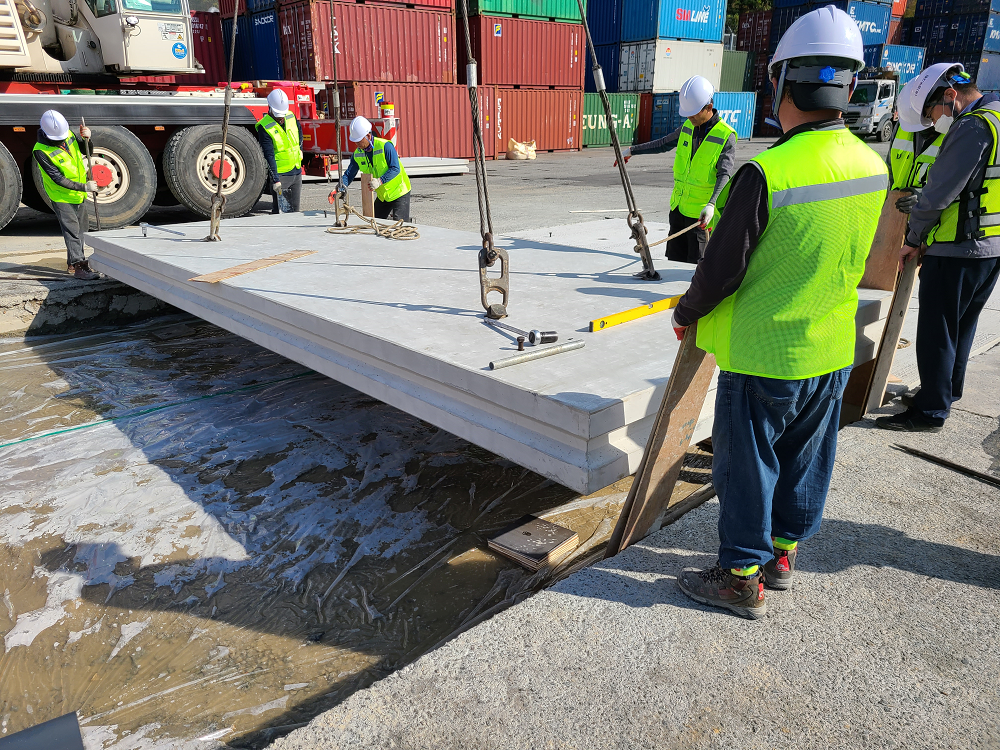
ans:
x=85 y=132
x=276 y=187
x=375 y=183
x=626 y=155
x=706 y=215
x=92 y=186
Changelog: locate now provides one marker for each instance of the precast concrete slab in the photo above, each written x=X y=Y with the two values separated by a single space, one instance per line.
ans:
x=402 y=322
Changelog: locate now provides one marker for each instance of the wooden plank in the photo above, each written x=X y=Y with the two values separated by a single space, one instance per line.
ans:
x=599 y=324
x=228 y=273
x=668 y=442
x=883 y=258
x=367 y=196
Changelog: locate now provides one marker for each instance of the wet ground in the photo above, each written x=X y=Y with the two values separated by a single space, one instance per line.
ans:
x=203 y=544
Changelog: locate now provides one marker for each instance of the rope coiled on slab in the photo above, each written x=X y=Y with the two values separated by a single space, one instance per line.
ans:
x=398 y=231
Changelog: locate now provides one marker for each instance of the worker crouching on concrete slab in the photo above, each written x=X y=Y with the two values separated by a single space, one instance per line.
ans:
x=378 y=158
x=955 y=224
x=64 y=178
x=705 y=160
x=775 y=300
x=280 y=136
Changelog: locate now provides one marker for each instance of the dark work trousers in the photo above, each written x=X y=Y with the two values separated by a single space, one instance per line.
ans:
x=690 y=246
x=291 y=188
x=397 y=209
x=953 y=291
x=73 y=222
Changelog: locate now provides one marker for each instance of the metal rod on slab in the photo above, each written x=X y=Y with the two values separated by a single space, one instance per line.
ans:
x=981 y=476
x=534 y=337
x=144 y=226
x=536 y=354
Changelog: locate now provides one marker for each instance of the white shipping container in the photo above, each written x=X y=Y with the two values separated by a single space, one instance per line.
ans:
x=662 y=65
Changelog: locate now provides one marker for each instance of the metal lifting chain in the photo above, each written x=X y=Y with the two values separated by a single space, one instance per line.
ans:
x=219 y=200
x=490 y=253
x=397 y=231
x=634 y=218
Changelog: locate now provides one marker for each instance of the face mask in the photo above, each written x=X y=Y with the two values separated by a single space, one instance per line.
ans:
x=943 y=123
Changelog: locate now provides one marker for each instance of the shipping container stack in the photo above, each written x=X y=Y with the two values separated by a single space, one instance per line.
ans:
x=648 y=48
x=962 y=31
x=882 y=30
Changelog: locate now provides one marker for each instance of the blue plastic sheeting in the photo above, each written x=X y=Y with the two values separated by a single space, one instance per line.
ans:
x=691 y=20
x=735 y=107
x=907 y=61
x=988 y=75
x=605 y=20
x=608 y=56
x=258 y=46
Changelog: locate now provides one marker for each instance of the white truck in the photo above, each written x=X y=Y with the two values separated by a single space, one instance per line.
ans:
x=872 y=110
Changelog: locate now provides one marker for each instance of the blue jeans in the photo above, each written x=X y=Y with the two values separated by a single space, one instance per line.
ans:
x=774 y=444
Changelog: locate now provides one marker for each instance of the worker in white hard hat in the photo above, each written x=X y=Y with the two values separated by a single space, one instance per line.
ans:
x=377 y=157
x=775 y=300
x=955 y=229
x=64 y=179
x=279 y=134
x=912 y=150
x=705 y=160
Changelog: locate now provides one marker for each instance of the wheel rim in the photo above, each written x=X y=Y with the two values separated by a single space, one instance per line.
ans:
x=234 y=172
x=111 y=173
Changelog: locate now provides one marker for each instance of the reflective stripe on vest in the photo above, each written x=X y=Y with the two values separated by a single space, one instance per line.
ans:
x=389 y=191
x=908 y=171
x=287 y=150
x=694 y=176
x=976 y=212
x=67 y=157
x=793 y=315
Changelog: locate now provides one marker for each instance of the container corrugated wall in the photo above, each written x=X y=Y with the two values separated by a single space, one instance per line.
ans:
x=266 y=46
x=872 y=19
x=664 y=65
x=734 y=70
x=550 y=118
x=500 y=44
x=734 y=107
x=992 y=41
x=374 y=43
x=624 y=113
x=643 y=20
x=899 y=8
x=988 y=75
x=906 y=61
x=605 y=20
x=544 y=10
x=895 y=31
x=435 y=120
x=608 y=55
x=754 y=32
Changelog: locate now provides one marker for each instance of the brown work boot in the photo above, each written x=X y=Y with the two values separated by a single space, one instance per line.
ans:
x=85 y=273
x=720 y=588
x=778 y=572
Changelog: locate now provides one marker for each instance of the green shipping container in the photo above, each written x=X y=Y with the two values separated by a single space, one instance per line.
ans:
x=544 y=10
x=734 y=71
x=624 y=112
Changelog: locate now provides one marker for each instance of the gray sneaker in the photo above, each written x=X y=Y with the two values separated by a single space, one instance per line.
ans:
x=85 y=273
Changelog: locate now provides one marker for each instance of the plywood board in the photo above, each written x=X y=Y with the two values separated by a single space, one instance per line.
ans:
x=256 y=265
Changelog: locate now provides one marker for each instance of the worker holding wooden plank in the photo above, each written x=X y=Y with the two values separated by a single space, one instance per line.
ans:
x=955 y=224
x=775 y=299
x=705 y=160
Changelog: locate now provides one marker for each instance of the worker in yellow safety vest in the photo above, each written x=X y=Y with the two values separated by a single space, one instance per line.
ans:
x=912 y=150
x=279 y=134
x=775 y=300
x=378 y=158
x=64 y=179
x=705 y=160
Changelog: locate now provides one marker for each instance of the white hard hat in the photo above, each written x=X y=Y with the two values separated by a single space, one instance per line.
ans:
x=921 y=87
x=909 y=118
x=277 y=100
x=360 y=127
x=696 y=92
x=824 y=32
x=54 y=125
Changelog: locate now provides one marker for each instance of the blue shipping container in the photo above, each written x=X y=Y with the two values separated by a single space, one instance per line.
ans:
x=988 y=76
x=992 y=41
x=967 y=33
x=872 y=19
x=605 y=20
x=926 y=9
x=608 y=56
x=691 y=20
x=255 y=6
x=243 y=68
x=813 y=3
x=969 y=62
x=735 y=107
x=907 y=61
x=267 y=63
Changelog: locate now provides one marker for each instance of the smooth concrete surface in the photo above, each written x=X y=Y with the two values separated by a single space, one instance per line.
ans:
x=885 y=640
x=402 y=321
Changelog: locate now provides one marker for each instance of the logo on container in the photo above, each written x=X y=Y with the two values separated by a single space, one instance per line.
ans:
x=264 y=19
x=903 y=68
x=732 y=116
x=179 y=50
x=379 y=98
x=694 y=16
x=497 y=30
x=994 y=34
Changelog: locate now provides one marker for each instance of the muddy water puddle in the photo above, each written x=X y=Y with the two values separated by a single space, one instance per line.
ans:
x=203 y=544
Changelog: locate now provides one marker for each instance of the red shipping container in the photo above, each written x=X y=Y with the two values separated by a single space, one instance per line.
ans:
x=226 y=7
x=557 y=58
x=644 y=128
x=895 y=31
x=209 y=50
x=550 y=118
x=374 y=43
x=434 y=120
x=898 y=8
x=754 y=31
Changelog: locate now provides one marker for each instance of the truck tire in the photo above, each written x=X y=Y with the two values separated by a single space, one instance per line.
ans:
x=32 y=194
x=10 y=186
x=127 y=176
x=188 y=161
x=885 y=130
